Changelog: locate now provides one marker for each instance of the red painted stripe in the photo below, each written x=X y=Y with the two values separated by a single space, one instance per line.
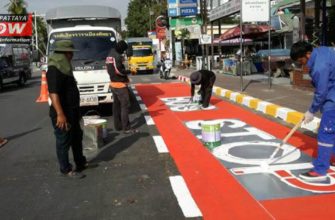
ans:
x=215 y=190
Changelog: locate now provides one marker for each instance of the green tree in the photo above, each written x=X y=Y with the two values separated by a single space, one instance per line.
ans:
x=182 y=34
x=17 y=7
x=139 y=19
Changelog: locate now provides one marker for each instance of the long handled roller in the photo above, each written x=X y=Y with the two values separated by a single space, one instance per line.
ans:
x=286 y=138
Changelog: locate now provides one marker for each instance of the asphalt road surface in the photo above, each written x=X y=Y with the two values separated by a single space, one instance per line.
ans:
x=131 y=181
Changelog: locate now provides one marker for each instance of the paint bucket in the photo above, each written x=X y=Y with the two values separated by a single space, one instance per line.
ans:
x=211 y=134
x=98 y=122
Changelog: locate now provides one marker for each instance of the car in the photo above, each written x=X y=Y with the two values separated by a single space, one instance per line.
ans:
x=15 y=64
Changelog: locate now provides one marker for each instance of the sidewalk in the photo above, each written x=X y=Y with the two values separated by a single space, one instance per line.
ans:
x=281 y=101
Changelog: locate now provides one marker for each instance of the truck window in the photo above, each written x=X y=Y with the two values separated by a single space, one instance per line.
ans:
x=142 y=52
x=93 y=45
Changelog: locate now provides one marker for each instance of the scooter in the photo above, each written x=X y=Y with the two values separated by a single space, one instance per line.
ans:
x=165 y=69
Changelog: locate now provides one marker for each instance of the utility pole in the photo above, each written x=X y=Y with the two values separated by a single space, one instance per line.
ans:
x=203 y=13
x=36 y=34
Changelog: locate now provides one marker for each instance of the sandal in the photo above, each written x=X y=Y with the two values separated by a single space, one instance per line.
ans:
x=87 y=165
x=74 y=175
x=3 y=142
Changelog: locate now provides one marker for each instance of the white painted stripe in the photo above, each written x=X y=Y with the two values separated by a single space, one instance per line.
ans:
x=138 y=98
x=184 y=197
x=135 y=91
x=143 y=107
x=262 y=106
x=283 y=112
x=233 y=96
x=149 y=120
x=160 y=144
x=270 y=168
x=223 y=92
x=246 y=100
x=132 y=86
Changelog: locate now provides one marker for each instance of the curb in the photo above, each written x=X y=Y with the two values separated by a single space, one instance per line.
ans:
x=286 y=114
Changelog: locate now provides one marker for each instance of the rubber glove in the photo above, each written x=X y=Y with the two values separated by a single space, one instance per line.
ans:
x=308 y=117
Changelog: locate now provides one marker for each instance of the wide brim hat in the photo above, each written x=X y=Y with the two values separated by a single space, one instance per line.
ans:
x=195 y=77
x=64 y=46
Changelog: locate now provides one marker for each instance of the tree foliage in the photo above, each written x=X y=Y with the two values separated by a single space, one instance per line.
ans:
x=17 y=7
x=139 y=20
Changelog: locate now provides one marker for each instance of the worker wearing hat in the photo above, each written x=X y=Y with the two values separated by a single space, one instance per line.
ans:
x=65 y=109
x=205 y=79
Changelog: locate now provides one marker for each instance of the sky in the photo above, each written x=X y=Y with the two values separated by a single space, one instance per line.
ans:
x=41 y=6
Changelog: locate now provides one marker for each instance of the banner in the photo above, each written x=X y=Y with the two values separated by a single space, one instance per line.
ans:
x=16 y=28
x=255 y=10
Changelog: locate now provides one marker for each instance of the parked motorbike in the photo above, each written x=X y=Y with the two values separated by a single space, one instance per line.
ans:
x=165 y=69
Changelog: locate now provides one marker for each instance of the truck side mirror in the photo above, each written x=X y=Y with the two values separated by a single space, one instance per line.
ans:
x=129 y=52
x=35 y=55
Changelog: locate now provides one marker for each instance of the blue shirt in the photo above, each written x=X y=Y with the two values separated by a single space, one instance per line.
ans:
x=322 y=72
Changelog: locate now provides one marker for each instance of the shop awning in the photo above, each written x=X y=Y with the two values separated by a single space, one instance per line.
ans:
x=231 y=42
x=248 y=31
x=236 y=41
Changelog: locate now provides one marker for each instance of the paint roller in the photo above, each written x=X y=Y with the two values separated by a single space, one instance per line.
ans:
x=285 y=139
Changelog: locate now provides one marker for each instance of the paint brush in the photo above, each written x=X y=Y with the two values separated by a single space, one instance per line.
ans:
x=286 y=139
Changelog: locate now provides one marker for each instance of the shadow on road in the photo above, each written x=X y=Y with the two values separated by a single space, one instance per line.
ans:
x=22 y=134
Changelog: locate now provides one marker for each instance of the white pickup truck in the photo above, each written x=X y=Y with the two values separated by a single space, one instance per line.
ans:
x=93 y=31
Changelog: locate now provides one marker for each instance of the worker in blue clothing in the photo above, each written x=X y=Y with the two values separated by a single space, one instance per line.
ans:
x=321 y=64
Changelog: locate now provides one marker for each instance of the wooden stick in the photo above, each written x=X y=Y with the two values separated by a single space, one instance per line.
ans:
x=286 y=138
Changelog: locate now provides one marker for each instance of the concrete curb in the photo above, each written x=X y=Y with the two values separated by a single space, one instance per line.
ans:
x=286 y=114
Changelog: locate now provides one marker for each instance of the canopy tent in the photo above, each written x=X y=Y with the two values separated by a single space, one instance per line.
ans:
x=248 y=31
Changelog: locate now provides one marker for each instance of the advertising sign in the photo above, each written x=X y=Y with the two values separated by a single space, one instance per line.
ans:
x=188 y=11
x=185 y=21
x=255 y=10
x=226 y=9
x=182 y=8
x=15 y=28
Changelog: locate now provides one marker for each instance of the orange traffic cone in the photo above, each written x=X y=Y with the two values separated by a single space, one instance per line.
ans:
x=44 y=95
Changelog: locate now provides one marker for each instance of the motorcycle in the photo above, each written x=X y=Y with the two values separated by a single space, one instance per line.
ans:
x=165 y=69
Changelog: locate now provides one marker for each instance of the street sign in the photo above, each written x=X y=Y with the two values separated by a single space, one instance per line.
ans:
x=172 y=12
x=188 y=1
x=188 y=11
x=182 y=8
x=255 y=11
x=225 y=9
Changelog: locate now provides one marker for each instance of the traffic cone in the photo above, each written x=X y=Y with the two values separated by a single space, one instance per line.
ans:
x=44 y=94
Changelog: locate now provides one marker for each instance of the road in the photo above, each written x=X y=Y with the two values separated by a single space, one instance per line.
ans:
x=131 y=181
x=164 y=171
